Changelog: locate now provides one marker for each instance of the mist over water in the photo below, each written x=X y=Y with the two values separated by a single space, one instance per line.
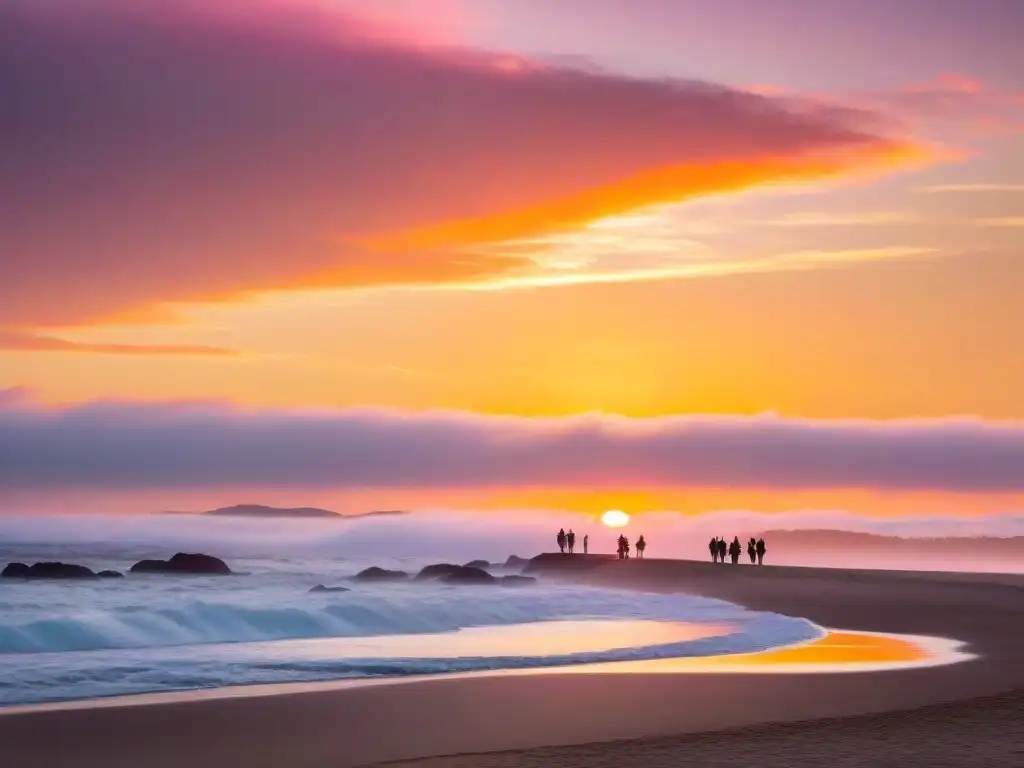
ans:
x=146 y=633
x=430 y=536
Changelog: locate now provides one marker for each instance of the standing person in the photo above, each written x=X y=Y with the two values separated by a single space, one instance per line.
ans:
x=560 y=538
x=625 y=547
x=760 y=550
x=721 y=549
x=586 y=542
x=713 y=546
x=570 y=539
x=641 y=545
x=735 y=550
x=752 y=550
x=622 y=547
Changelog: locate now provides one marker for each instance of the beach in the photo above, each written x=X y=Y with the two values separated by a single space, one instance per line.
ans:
x=955 y=714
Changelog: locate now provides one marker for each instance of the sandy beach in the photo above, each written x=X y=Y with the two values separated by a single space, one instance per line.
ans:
x=960 y=714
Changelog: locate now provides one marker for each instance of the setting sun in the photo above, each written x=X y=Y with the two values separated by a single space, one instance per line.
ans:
x=615 y=518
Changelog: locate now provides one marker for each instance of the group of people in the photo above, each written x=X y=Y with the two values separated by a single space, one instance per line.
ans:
x=567 y=541
x=623 y=550
x=719 y=549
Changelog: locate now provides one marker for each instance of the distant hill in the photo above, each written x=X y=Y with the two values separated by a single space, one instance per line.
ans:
x=794 y=542
x=259 y=510
x=265 y=512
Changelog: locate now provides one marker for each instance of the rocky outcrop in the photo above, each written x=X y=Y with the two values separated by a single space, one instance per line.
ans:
x=514 y=561
x=373 y=573
x=466 y=575
x=478 y=564
x=438 y=571
x=322 y=588
x=557 y=564
x=16 y=571
x=184 y=563
x=110 y=575
x=47 y=571
x=517 y=581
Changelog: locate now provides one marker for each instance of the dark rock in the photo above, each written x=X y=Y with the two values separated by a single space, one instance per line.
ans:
x=478 y=564
x=468 y=576
x=322 y=588
x=517 y=581
x=15 y=571
x=184 y=563
x=47 y=571
x=438 y=570
x=555 y=563
x=110 y=575
x=514 y=561
x=373 y=573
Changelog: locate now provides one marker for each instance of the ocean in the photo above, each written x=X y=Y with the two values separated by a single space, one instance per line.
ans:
x=62 y=640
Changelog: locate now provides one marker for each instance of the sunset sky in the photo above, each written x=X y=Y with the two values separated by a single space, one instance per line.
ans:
x=658 y=254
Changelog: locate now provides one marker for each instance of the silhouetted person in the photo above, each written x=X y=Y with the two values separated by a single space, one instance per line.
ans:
x=570 y=539
x=721 y=549
x=735 y=550
x=625 y=547
x=760 y=548
x=713 y=547
x=622 y=547
x=641 y=545
x=586 y=542
x=561 y=540
x=752 y=551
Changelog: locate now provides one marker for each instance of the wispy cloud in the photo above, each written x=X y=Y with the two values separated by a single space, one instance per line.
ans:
x=869 y=218
x=972 y=187
x=1003 y=221
x=689 y=263
x=203 y=445
x=31 y=342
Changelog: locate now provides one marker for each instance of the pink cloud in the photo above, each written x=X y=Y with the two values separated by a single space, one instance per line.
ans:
x=158 y=152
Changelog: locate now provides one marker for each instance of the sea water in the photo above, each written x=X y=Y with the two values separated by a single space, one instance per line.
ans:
x=66 y=640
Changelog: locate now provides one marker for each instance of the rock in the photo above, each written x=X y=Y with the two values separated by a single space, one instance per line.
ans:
x=468 y=576
x=517 y=581
x=438 y=571
x=555 y=563
x=478 y=564
x=16 y=571
x=514 y=561
x=47 y=571
x=373 y=573
x=184 y=563
x=110 y=575
x=322 y=588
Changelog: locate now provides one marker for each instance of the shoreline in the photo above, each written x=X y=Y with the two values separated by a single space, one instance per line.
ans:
x=356 y=725
x=928 y=652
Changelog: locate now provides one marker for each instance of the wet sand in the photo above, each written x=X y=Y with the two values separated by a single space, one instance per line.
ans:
x=960 y=714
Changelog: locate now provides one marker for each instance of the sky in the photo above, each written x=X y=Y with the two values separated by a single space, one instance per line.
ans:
x=684 y=255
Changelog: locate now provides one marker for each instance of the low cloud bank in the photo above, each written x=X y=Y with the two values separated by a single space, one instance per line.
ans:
x=120 y=445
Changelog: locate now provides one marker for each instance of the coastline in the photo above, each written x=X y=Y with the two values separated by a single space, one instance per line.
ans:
x=350 y=725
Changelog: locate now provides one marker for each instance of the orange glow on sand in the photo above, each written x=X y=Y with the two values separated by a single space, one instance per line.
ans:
x=837 y=651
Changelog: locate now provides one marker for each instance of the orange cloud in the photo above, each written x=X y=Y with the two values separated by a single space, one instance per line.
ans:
x=21 y=341
x=152 y=168
x=662 y=185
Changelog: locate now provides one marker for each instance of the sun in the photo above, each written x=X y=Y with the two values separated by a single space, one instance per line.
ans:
x=615 y=518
